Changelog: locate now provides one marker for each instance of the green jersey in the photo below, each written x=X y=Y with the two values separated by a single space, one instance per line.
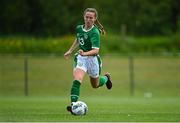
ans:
x=88 y=39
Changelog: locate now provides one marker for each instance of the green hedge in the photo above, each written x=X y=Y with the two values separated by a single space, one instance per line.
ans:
x=129 y=44
x=109 y=44
x=35 y=45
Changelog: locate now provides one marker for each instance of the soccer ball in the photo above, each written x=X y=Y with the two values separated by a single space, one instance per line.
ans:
x=79 y=108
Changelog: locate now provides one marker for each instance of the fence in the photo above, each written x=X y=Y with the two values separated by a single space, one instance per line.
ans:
x=52 y=75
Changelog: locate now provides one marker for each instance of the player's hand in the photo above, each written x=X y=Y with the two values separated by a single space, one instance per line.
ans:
x=67 y=54
x=81 y=52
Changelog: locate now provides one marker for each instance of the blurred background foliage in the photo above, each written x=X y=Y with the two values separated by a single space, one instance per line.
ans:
x=47 y=26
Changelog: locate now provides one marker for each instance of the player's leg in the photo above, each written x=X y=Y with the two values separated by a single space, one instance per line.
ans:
x=94 y=69
x=100 y=81
x=94 y=82
x=78 y=76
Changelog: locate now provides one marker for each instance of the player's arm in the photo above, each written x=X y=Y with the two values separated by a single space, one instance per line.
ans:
x=92 y=52
x=71 y=49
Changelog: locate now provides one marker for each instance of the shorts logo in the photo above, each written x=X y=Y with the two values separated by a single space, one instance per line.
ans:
x=80 y=64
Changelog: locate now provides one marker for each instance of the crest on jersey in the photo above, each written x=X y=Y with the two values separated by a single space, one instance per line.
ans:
x=85 y=36
x=77 y=34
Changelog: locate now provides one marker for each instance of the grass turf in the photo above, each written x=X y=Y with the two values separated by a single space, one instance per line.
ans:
x=156 y=96
x=52 y=76
x=30 y=109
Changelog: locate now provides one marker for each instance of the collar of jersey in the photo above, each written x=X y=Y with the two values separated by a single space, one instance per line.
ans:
x=88 y=29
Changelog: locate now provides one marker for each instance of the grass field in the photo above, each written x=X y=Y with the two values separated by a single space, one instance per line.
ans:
x=30 y=109
x=52 y=76
x=156 y=94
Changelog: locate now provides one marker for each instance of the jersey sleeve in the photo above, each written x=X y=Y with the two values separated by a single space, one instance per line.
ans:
x=95 y=40
x=77 y=29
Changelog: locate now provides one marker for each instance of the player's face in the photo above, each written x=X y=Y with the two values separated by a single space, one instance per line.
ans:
x=89 y=18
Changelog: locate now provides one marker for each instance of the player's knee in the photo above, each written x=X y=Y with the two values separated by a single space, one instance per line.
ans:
x=77 y=77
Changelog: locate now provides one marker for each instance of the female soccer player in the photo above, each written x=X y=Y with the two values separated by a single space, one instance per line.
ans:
x=87 y=59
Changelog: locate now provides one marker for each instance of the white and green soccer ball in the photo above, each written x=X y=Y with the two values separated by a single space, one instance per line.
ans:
x=79 y=108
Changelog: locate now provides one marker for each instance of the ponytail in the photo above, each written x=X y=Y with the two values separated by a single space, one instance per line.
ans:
x=100 y=27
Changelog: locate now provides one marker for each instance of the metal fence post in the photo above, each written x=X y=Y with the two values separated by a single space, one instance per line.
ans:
x=26 y=76
x=131 y=75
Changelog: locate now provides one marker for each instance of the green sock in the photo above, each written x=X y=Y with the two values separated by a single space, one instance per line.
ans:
x=102 y=80
x=75 y=89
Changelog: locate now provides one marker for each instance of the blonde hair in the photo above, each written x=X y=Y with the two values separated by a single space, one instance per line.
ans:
x=97 y=23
